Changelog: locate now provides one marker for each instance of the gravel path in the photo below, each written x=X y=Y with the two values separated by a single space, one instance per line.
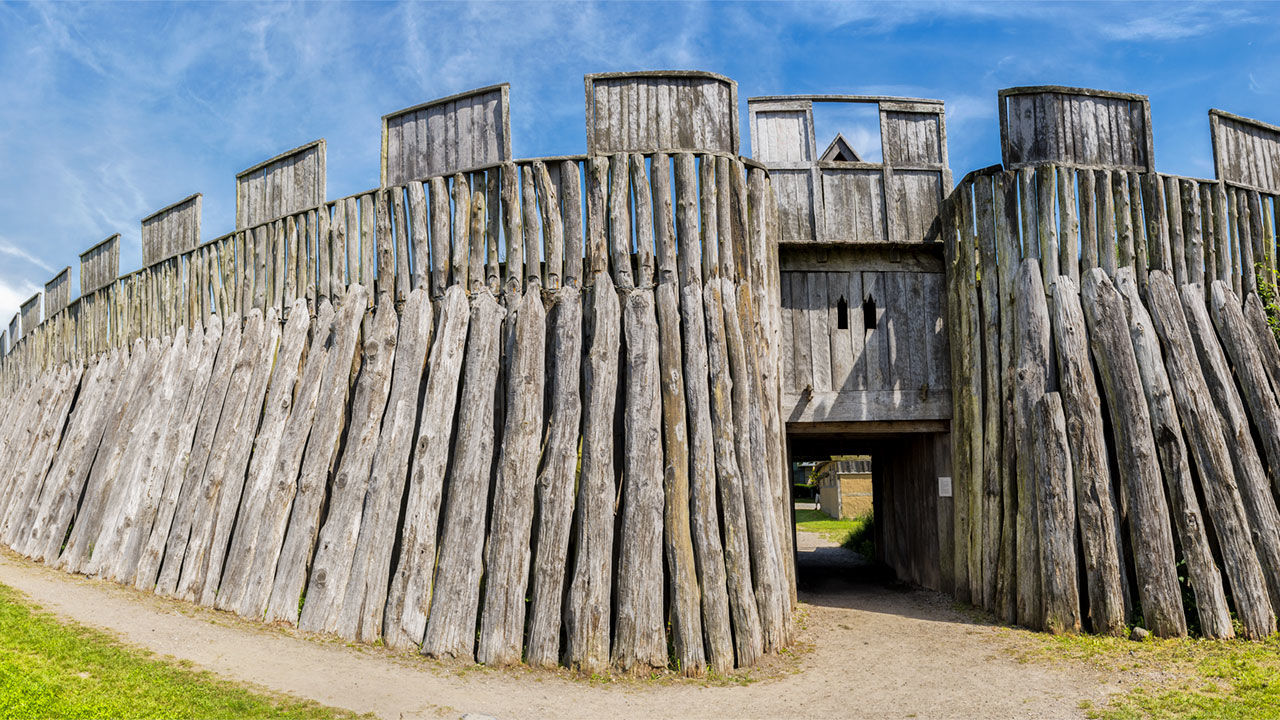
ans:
x=867 y=650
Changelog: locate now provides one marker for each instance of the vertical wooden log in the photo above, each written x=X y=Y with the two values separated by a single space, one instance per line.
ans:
x=409 y=596
x=528 y=200
x=555 y=483
x=571 y=211
x=1141 y=245
x=1124 y=219
x=1030 y=228
x=1032 y=335
x=1007 y=255
x=419 y=221
x=513 y=229
x=1177 y=238
x=1245 y=241
x=1205 y=194
x=990 y=486
x=441 y=258
x=365 y=600
x=1068 y=220
x=552 y=226
x=507 y=550
x=395 y=196
x=686 y=623
x=1149 y=528
x=706 y=530
x=1194 y=255
x=1046 y=227
x=319 y=459
x=1057 y=519
x=461 y=248
x=959 y=276
x=1206 y=580
x=1090 y=472
x=1088 y=222
x=1107 y=245
x=451 y=622
x=1204 y=431
x=639 y=640
x=1222 y=231
x=251 y=600
x=587 y=617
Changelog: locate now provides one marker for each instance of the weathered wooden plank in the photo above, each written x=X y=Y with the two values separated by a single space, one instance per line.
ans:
x=1057 y=519
x=1205 y=436
x=678 y=538
x=1032 y=334
x=441 y=261
x=361 y=613
x=705 y=522
x=639 y=641
x=409 y=596
x=331 y=570
x=555 y=482
x=1206 y=579
x=1247 y=362
x=1007 y=251
x=451 y=623
x=1088 y=222
x=247 y=583
x=224 y=476
x=747 y=632
x=992 y=480
x=1250 y=474
x=587 y=615
x=253 y=501
x=1095 y=512
x=1106 y=207
x=507 y=548
x=1148 y=515
x=318 y=459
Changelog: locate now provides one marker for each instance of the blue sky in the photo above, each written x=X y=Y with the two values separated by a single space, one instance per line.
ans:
x=111 y=111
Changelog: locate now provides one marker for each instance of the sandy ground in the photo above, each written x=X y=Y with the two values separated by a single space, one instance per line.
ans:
x=865 y=650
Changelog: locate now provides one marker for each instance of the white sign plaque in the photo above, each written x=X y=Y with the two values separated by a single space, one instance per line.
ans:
x=944 y=486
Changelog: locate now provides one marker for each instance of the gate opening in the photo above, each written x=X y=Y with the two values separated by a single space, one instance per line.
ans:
x=869 y=506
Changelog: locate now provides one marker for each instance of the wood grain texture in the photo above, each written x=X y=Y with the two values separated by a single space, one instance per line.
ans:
x=1166 y=428
x=1090 y=467
x=1149 y=525
x=1206 y=439
x=451 y=624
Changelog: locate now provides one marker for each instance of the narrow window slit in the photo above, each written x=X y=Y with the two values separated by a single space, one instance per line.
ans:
x=869 y=313
x=842 y=314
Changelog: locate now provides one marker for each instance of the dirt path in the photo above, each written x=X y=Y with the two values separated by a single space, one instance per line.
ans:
x=872 y=652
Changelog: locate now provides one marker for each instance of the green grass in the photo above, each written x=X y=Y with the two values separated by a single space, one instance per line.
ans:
x=1190 y=678
x=52 y=669
x=852 y=533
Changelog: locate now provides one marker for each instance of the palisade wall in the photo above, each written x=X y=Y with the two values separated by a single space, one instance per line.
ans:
x=1118 y=449
x=525 y=412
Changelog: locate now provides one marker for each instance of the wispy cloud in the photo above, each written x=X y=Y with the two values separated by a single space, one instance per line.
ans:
x=111 y=112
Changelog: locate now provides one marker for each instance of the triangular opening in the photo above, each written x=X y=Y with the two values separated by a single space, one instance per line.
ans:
x=840 y=151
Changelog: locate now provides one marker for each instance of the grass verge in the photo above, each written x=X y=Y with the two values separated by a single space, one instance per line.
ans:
x=54 y=669
x=852 y=533
x=1188 y=678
